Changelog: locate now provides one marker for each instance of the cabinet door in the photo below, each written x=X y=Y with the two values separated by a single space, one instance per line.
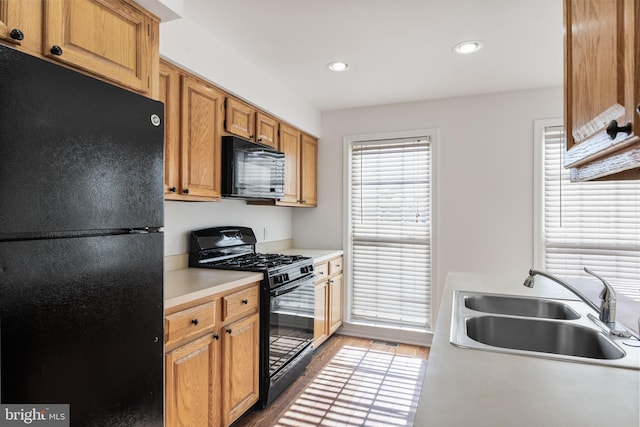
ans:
x=201 y=125
x=192 y=384
x=238 y=118
x=335 y=303
x=21 y=24
x=240 y=367
x=600 y=70
x=290 y=146
x=169 y=94
x=321 y=316
x=266 y=130
x=309 y=171
x=109 y=38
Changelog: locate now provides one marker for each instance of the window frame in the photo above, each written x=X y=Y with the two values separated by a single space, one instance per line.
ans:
x=350 y=327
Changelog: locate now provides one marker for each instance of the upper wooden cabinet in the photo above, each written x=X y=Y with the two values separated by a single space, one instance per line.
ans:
x=21 y=25
x=602 y=88
x=245 y=121
x=111 y=38
x=239 y=118
x=290 y=146
x=114 y=40
x=309 y=170
x=266 y=129
x=194 y=112
x=200 y=139
x=301 y=166
x=169 y=94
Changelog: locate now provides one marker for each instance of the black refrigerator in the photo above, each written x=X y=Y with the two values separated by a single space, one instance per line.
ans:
x=81 y=246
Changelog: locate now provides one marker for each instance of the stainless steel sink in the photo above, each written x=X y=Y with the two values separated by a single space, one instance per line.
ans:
x=542 y=336
x=520 y=306
x=536 y=327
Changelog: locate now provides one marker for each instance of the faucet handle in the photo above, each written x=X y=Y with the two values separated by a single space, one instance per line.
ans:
x=607 y=291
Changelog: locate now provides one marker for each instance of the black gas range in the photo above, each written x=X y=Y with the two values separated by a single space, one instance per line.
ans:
x=286 y=300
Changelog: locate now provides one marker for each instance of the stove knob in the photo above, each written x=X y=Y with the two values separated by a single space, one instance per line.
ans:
x=277 y=279
x=286 y=276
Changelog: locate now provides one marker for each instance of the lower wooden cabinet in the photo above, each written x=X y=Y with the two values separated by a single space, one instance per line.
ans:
x=212 y=365
x=192 y=390
x=240 y=367
x=328 y=299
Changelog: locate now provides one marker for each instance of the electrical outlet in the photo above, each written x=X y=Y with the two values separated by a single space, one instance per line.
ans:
x=265 y=233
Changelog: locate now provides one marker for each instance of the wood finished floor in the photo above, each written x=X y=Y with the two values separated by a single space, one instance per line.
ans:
x=270 y=415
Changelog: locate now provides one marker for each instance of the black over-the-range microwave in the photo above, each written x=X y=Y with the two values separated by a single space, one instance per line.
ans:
x=251 y=170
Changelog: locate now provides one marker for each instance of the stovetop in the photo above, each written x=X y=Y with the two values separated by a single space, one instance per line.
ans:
x=258 y=261
x=233 y=248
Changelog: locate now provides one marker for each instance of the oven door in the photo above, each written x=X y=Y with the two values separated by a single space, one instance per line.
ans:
x=291 y=322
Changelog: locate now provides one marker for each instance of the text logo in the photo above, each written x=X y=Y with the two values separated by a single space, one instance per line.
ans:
x=34 y=415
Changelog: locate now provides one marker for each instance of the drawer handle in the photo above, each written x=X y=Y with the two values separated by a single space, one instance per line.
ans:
x=185 y=191
x=172 y=189
x=245 y=301
x=338 y=265
x=613 y=129
x=194 y=321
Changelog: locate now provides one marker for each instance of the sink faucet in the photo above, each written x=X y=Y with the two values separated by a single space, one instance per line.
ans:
x=607 y=309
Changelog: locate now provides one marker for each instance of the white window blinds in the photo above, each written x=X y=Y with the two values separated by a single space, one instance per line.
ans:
x=592 y=224
x=391 y=232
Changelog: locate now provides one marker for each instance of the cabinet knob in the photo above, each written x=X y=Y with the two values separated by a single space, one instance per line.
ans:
x=56 y=50
x=16 y=34
x=613 y=129
x=216 y=336
x=194 y=321
x=638 y=109
x=185 y=191
x=172 y=189
x=229 y=331
x=245 y=301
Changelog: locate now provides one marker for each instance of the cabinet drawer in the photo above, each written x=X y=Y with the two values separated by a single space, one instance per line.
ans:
x=322 y=271
x=240 y=303
x=335 y=266
x=189 y=323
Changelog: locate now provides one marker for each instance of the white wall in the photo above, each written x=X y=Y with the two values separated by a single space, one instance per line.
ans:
x=483 y=177
x=188 y=45
x=182 y=217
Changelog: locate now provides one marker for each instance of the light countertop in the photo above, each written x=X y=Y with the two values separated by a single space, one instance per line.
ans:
x=318 y=255
x=189 y=284
x=467 y=387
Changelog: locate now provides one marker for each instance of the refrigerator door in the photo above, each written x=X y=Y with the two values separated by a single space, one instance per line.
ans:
x=82 y=324
x=75 y=153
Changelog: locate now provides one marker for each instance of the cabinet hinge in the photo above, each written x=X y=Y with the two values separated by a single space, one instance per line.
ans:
x=225 y=103
x=148 y=30
x=148 y=82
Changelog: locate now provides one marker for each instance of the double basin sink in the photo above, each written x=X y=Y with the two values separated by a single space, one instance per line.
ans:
x=537 y=327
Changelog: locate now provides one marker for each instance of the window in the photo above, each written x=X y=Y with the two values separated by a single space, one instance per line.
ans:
x=587 y=224
x=390 y=232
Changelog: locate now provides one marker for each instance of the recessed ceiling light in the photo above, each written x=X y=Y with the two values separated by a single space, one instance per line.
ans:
x=465 y=48
x=337 y=66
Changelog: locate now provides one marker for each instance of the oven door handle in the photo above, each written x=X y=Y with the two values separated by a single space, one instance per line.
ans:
x=290 y=287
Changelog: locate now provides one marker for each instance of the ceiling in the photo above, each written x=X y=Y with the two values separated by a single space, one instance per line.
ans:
x=398 y=50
